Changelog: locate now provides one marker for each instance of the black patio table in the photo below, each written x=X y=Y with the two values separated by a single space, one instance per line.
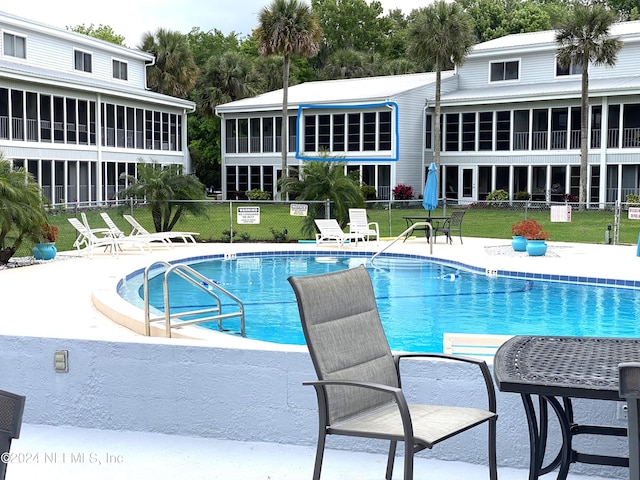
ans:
x=557 y=369
x=434 y=221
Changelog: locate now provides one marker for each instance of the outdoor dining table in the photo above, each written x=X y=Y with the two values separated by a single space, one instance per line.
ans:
x=434 y=221
x=558 y=369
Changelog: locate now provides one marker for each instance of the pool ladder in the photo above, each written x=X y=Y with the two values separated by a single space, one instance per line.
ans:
x=405 y=234
x=198 y=281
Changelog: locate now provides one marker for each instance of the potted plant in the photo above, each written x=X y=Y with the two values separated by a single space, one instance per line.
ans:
x=528 y=236
x=45 y=242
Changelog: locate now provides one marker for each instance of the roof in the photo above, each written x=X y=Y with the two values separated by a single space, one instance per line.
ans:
x=360 y=90
x=66 y=80
x=95 y=43
x=546 y=39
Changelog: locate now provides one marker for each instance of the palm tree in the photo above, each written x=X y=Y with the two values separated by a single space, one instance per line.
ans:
x=324 y=180
x=226 y=78
x=440 y=35
x=168 y=192
x=175 y=71
x=583 y=38
x=22 y=211
x=288 y=28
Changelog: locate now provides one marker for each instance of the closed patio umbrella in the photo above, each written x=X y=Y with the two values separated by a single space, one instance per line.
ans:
x=430 y=196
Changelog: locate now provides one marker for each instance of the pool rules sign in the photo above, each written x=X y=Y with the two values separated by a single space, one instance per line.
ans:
x=248 y=215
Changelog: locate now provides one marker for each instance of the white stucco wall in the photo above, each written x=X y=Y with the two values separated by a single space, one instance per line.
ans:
x=185 y=387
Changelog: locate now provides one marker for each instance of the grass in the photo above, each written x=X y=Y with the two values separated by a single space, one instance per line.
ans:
x=585 y=226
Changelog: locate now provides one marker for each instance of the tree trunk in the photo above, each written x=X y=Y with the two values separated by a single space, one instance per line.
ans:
x=584 y=147
x=285 y=118
x=437 y=129
x=6 y=254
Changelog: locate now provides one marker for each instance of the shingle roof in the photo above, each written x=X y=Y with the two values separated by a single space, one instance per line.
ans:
x=358 y=90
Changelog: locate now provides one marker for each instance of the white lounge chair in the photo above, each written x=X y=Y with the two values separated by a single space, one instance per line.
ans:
x=88 y=239
x=330 y=231
x=140 y=241
x=359 y=223
x=138 y=229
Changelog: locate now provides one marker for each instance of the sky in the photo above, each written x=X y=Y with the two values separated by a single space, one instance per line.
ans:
x=132 y=18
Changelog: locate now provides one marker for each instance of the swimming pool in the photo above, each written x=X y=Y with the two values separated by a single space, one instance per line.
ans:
x=419 y=299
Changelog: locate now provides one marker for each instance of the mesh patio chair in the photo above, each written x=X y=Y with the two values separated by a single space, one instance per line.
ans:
x=629 y=386
x=451 y=225
x=11 y=410
x=358 y=387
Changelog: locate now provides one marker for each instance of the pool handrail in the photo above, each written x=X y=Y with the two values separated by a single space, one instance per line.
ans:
x=405 y=234
x=204 y=284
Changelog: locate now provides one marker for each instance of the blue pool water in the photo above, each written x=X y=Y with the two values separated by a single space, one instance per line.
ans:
x=418 y=300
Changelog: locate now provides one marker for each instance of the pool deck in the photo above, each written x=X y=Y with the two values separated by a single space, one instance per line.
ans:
x=54 y=299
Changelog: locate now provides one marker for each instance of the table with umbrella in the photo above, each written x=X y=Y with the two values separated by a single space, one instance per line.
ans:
x=429 y=202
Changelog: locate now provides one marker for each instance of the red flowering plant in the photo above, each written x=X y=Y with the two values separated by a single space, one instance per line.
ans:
x=48 y=233
x=403 y=192
x=530 y=229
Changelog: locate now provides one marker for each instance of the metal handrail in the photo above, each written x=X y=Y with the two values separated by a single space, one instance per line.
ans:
x=204 y=284
x=405 y=234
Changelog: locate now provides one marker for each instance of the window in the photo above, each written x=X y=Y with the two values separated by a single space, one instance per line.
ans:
x=385 y=130
x=120 y=70
x=427 y=131
x=338 y=133
x=324 y=132
x=503 y=130
x=82 y=61
x=353 y=134
x=369 y=131
x=452 y=124
x=14 y=46
x=485 y=131
x=574 y=69
x=502 y=71
x=468 y=132
x=310 y=133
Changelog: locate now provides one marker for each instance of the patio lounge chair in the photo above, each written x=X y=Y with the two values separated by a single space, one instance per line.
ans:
x=358 y=387
x=629 y=385
x=359 y=223
x=451 y=225
x=138 y=229
x=141 y=241
x=88 y=238
x=330 y=231
x=11 y=410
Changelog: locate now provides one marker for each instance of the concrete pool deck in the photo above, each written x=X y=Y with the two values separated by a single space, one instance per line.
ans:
x=54 y=300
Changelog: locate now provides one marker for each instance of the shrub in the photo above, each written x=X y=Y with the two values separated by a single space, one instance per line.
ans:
x=522 y=196
x=279 y=236
x=497 y=198
x=633 y=200
x=403 y=192
x=257 y=194
x=369 y=192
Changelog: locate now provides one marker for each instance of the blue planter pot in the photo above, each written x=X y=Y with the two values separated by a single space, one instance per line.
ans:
x=519 y=243
x=536 y=248
x=44 y=251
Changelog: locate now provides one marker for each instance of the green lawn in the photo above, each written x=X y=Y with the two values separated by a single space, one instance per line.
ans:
x=585 y=226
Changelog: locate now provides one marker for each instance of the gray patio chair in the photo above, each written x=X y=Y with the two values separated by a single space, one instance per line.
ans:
x=11 y=409
x=452 y=225
x=358 y=387
x=629 y=387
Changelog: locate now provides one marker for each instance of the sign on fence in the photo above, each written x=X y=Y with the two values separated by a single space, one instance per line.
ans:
x=298 y=209
x=560 y=213
x=248 y=215
x=634 y=213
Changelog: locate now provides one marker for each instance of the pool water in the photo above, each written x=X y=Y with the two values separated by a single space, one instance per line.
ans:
x=418 y=299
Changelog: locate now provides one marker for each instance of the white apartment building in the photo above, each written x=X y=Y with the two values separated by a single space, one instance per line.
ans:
x=510 y=120
x=75 y=111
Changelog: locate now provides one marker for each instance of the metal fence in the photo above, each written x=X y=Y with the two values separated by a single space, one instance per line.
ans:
x=271 y=221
